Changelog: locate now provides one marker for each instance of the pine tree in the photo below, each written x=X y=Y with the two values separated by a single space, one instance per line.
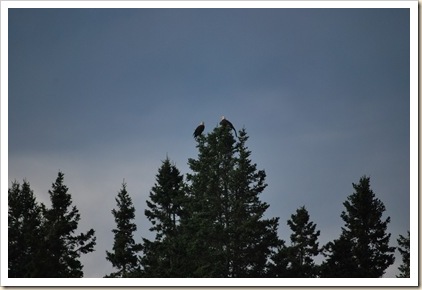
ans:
x=364 y=228
x=230 y=237
x=62 y=247
x=340 y=262
x=25 y=240
x=304 y=245
x=124 y=256
x=164 y=257
x=279 y=262
x=404 y=249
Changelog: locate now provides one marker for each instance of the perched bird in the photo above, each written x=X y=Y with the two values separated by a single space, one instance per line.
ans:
x=224 y=122
x=199 y=130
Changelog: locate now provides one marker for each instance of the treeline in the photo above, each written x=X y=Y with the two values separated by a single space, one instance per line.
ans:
x=210 y=224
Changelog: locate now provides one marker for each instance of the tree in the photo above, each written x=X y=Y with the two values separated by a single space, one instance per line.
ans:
x=124 y=256
x=62 y=247
x=404 y=249
x=230 y=237
x=164 y=257
x=364 y=234
x=279 y=262
x=25 y=222
x=304 y=245
x=340 y=262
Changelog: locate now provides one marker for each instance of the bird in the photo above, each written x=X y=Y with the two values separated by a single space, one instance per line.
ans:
x=224 y=122
x=199 y=130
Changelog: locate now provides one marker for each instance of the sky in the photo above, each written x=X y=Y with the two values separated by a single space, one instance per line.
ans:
x=104 y=95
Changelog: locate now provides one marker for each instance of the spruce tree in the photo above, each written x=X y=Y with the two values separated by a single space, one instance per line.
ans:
x=280 y=262
x=164 y=256
x=230 y=237
x=304 y=245
x=124 y=255
x=404 y=249
x=62 y=247
x=366 y=232
x=340 y=262
x=25 y=240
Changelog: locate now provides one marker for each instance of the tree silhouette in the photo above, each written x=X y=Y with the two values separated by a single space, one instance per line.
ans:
x=304 y=245
x=404 y=249
x=62 y=247
x=124 y=255
x=364 y=235
x=164 y=257
x=230 y=237
x=340 y=262
x=25 y=239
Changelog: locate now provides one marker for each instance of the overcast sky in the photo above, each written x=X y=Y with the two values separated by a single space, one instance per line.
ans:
x=105 y=94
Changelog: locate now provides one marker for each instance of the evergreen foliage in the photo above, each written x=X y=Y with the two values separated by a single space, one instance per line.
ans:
x=366 y=232
x=304 y=245
x=213 y=225
x=279 y=262
x=124 y=257
x=62 y=247
x=164 y=257
x=230 y=237
x=340 y=262
x=404 y=249
x=24 y=226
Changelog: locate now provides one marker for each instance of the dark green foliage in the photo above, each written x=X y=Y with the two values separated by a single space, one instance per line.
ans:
x=42 y=243
x=404 y=249
x=25 y=240
x=124 y=256
x=366 y=232
x=304 y=245
x=62 y=247
x=165 y=257
x=297 y=260
x=229 y=236
x=212 y=226
x=280 y=261
x=340 y=262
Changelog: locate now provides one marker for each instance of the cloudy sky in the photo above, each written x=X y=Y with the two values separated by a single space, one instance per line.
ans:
x=104 y=95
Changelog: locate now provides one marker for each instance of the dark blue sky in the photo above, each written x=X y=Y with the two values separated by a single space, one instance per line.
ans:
x=105 y=94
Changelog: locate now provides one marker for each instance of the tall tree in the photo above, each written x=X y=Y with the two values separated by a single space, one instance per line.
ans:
x=63 y=248
x=124 y=255
x=304 y=246
x=230 y=237
x=164 y=256
x=367 y=233
x=340 y=262
x=25 y=240
x=280 y=261
x=404 y=249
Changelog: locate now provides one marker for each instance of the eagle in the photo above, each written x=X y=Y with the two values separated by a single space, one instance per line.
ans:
x=199 y=130
x=224 y=122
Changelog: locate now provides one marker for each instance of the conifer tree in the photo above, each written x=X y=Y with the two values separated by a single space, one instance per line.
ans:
x=366 y=232
x=404 y=249
x=124 y=255
x=304 y=245
x=340 y=262
x=164 y=257
x=25 y=240
x=62 y=247
x=230 y=237
x=279 y=262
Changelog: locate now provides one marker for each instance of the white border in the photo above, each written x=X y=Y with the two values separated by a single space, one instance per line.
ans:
x=208 y=282
x=209 y=4
x=4 y=145
x=414 y=144
x=413 y=5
